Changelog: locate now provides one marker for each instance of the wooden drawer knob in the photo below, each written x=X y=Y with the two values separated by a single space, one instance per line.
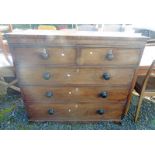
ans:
x=110 y=55
x=106 y=76
x=100 y=111
x=49 y=94
x=46 y=76
x=103 y=94
x=50 y=111
x=44 y=54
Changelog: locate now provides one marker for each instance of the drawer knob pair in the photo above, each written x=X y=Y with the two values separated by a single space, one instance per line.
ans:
x=110 y=55
x=99 y=111
x=44 y=54
x=50 y=111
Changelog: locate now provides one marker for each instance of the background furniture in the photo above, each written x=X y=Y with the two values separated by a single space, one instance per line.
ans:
x=75 y=76
x=145 y=86
x=147 y=58
x=4 y=49
x=46 y=27
x=6 y=65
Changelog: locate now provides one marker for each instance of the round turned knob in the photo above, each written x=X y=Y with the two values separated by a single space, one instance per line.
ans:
x=50 y=111
x=103 y=94
x=46 y=76
x=110 y=55
x=49 y=94
x=106 y=76
x=44 y=54
x=100 y=111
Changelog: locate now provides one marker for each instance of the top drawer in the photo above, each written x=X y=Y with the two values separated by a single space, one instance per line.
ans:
x=109 y=56
x=59 y=56
x=69 y=56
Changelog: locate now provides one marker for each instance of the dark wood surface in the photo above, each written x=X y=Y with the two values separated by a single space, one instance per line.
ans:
x=67 y=56
x=73 y=76
x=72 y=94
x=97 y=56
x=75 y=111
x=76 y=63
x=59 y=56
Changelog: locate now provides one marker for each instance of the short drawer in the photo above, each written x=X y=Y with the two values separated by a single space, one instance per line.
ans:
x=53 y=76
x=72 y=94
x=75 y=112
x=109 y=56
x=57 y=56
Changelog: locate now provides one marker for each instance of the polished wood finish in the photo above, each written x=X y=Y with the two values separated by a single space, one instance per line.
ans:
x=74 y=38
x=98 y=56
x=34 y=76
x=75 y=111
x=59 y=56
x=67 y=55
x=72 y=94
x=75 y=76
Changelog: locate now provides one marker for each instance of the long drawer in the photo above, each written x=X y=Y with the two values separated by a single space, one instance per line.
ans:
x=72 y=94
x=53 y=76
x=75 y=112
x=70 y=55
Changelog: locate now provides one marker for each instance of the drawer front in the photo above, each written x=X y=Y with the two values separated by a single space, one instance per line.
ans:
x=75 y=112
x=72 y=94
x=54 y=76
x=58 y=56
x=109 y=56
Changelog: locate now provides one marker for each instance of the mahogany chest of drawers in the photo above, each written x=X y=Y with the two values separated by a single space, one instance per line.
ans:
x=75 y=76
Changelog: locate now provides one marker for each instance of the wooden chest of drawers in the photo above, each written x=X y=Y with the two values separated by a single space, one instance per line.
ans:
x=75 y=76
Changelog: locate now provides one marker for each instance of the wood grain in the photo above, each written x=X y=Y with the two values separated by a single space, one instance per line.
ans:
x=97 y=56
x=75 y=111
x=60 y=56
x=34 y=76
x=76 y=63
x=72 y=94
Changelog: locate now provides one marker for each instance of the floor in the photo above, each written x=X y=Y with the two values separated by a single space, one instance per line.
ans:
x=13 y=117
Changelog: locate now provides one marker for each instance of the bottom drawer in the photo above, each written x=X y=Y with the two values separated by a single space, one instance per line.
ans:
x=75 y=111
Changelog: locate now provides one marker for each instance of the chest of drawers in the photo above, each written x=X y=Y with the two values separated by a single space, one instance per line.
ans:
x=75 y=76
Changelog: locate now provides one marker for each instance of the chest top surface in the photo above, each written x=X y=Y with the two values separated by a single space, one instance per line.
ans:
x=75 y=34
x=74 y=38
